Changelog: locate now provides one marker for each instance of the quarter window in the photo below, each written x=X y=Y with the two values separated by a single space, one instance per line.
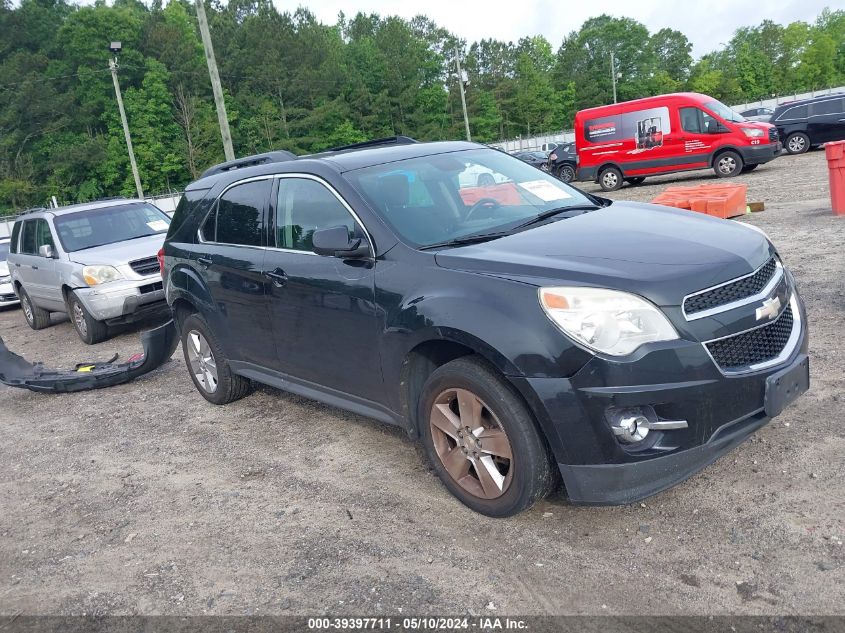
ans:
x=305 y=206
x=240 y=216
x=831 y=106
x=16 y=232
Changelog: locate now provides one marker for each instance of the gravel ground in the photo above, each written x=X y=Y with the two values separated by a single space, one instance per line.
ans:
x=145 y=499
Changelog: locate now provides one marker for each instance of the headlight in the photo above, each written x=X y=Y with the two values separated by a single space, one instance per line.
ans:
x=753 y=132
x=94 y=275
x=606 y=321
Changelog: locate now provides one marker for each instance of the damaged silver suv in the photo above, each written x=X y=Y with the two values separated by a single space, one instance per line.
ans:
x=95 y=261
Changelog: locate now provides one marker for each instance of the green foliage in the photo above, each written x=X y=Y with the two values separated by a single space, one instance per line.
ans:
x=291 y=82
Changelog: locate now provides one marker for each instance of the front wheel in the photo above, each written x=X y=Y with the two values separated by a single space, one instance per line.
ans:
x=610 y=179
x=797 y=143
x=89 y=329
x=482 y=441
x=208 y=366
x=728 y=164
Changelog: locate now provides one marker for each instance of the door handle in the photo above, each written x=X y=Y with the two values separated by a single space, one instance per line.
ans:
x=278 y=277
x=205 y=262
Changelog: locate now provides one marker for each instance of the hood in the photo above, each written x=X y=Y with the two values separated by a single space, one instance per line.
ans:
x=120 y=252
x=752 y=123
x=657 y=252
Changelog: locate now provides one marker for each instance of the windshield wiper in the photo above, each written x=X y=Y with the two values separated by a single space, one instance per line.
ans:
x=469 y=239
x=545 y=215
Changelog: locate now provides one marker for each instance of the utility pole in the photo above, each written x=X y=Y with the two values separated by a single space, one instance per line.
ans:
x=613 y=74
x=463 y=96
x=222 y=119
x=116 y=48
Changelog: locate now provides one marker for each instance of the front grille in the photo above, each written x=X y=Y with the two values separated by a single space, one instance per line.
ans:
x=754 y=346
x=151 y=287
x=734 y=291
x=773 y=134
x=146 y=266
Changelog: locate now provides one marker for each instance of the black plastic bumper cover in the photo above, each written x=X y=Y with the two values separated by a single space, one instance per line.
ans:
x=159 y=345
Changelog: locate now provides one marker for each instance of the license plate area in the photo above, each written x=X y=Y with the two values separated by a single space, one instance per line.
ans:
x=786 y=385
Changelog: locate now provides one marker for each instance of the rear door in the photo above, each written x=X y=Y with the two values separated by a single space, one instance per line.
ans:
x=230 y=257
x=826 y=120
x=37 y=273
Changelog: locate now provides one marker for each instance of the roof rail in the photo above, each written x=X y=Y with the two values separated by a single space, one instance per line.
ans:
x=278 y=156
x=376 y=142
x=32 y=210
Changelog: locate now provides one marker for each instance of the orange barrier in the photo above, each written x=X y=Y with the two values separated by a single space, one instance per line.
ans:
x=505 y=193
x=835 y=154
x=719 y=200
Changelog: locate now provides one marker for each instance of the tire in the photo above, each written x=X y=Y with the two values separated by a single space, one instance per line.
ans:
x=727 y=164
x=748 y=168
x=638 y=180
x=503 y=466
x=797 y=143
x=212 y=375
x=610 y=179
x=566 y=173
x=36 y=318
x=89 y=329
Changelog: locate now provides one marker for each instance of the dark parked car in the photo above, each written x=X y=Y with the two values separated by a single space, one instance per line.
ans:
x=810 y=122
x=563 y=161
x=757 y=114
x=522 y=331
x=539 y=160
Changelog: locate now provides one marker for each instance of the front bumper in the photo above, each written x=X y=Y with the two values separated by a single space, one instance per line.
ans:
x=759 y=154
x=681 y=382
x=124 y=301
x=7 y=295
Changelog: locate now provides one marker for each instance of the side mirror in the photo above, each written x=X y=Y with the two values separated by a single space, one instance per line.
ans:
x=335 y=242
x=45 y=250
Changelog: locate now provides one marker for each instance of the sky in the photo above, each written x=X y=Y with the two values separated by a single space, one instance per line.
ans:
x=708 y=25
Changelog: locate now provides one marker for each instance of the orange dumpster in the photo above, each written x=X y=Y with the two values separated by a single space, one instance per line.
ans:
x=719 y=200
x=835 y=153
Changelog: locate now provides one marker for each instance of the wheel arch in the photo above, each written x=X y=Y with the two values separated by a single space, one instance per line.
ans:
x=607 y=164
x=722 y=150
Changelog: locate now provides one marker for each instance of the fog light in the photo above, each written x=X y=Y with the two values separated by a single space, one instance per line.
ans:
x=629 y=425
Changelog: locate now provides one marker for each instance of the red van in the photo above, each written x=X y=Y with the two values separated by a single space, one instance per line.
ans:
x=625 y=142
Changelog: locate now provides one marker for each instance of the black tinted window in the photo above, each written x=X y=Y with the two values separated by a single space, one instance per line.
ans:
x=306 y=206
x=798 y=112
x=240 y=216
x=831 y=106
x=28 y=239
x=16 y=231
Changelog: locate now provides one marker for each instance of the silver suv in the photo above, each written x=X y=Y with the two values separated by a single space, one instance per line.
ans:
x=96 y=261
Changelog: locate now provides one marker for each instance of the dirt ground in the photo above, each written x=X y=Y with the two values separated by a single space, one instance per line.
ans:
x=145 y=499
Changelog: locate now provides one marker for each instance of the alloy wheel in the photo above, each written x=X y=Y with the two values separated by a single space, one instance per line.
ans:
x=202 y=362
x=796 y=144
x=79 y=319
x=471 y=443
x=610 y=180
x=27 y=309
x=727 y=164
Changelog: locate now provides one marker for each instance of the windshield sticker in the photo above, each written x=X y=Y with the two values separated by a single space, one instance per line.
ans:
x=544 y=190
x=158 y=225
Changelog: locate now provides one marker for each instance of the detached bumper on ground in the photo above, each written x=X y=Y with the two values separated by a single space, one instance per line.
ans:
x=159 y=345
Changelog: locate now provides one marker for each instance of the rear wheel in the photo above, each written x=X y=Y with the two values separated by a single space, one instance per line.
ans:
x=482 y=441
x=36 y=318
x=89 y=329
x=797 y=143
x=208 y=366
x=610 y=179
x=727 y=164
x=566 y=173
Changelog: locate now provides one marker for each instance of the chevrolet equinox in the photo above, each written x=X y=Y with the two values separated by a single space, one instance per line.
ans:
x=523 y=331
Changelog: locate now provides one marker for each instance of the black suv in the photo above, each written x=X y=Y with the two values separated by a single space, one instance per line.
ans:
x=810 y=122
x=520 y=329
x=563 y=162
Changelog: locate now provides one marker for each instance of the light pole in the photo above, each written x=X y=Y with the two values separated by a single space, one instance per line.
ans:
x=216 y=88
x=463 y=96
x=613 y=74
x=115 y=48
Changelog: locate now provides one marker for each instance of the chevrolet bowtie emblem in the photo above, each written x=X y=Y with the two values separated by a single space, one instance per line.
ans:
x=769 y=309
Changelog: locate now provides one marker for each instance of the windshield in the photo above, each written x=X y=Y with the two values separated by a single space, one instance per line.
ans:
x=724 y=111
x=4 y=251
x=434 y=199
x=97 y=227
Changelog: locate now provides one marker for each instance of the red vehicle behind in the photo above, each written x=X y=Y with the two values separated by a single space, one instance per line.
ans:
x=625 y=142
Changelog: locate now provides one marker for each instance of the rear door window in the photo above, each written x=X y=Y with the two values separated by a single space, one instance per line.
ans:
x=831 y=106
x=241 y=215
x=28 y=239
x=798 y=112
